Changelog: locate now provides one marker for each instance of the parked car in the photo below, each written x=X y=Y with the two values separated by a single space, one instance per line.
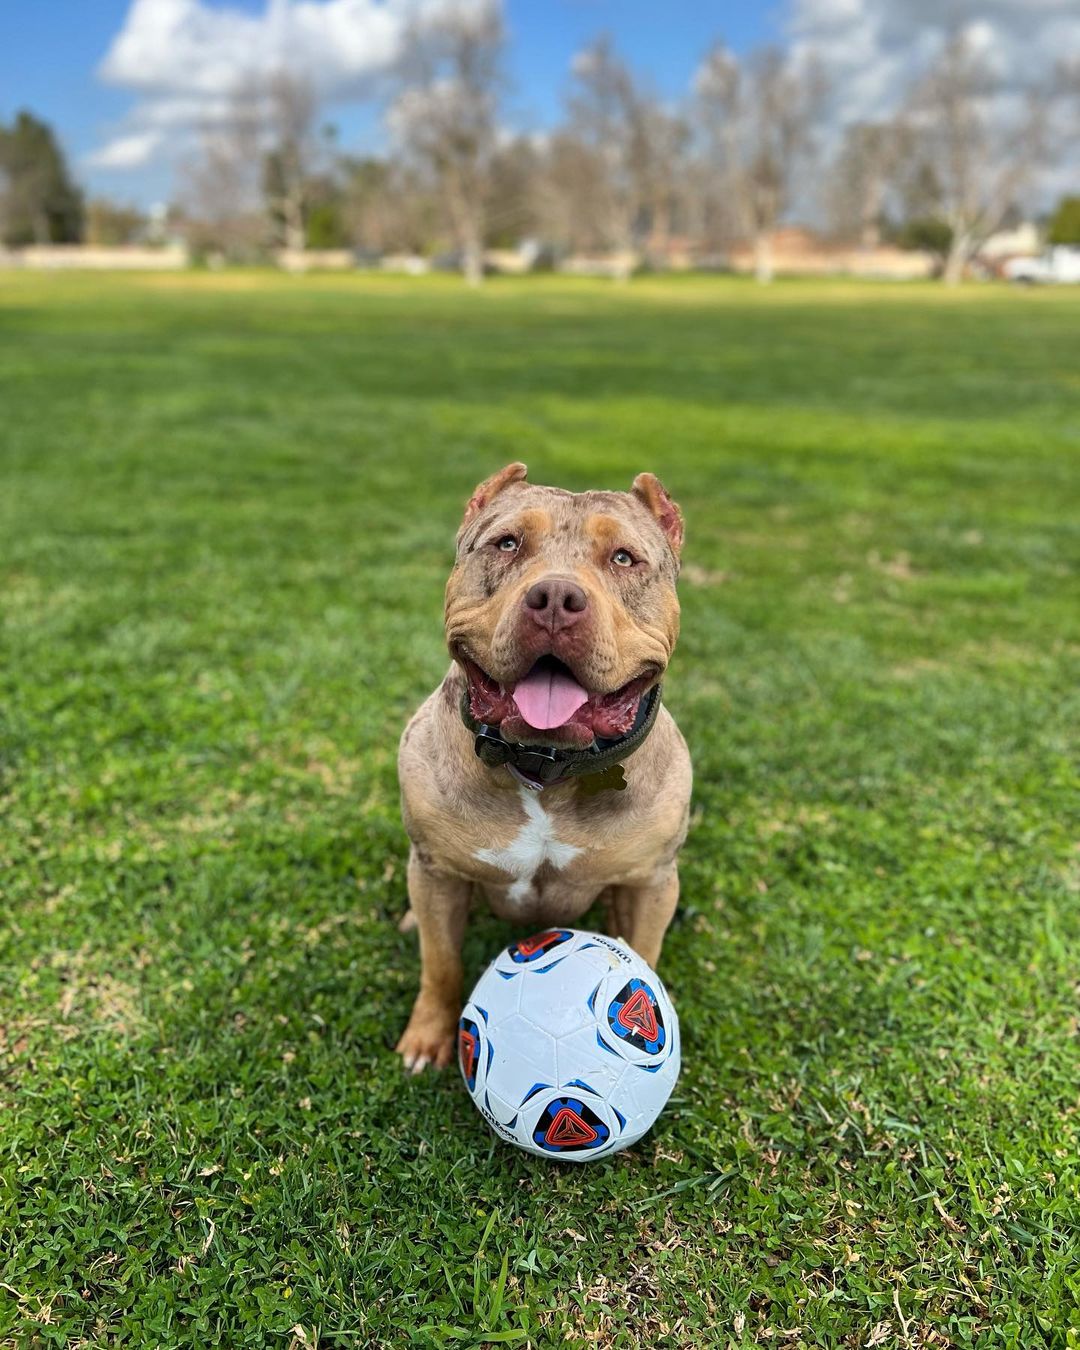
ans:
x=1057 y=266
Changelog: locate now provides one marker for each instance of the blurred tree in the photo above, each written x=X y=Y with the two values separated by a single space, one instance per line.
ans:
x=861 y=176
x=608 y=130
x=928 y=234
x=510 y=211
x=221 y=186
x=261 y=167
x=1064 y=227
x=445 y=115
x=109 y=224
x=981 y=161
x=324 y=227
x=39 y=203
x=664 y=172
x=389 y=206
x=287 y=112
x=757 y=122
x=569 y=194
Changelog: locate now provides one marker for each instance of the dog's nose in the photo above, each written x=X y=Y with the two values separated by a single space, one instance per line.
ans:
x=556 y=602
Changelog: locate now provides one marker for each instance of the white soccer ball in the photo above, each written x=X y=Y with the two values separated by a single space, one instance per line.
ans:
x=569 y=1045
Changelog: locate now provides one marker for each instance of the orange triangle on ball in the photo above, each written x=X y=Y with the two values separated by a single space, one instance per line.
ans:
x=638 y=1014
x=569 y=1128
x=530 y=946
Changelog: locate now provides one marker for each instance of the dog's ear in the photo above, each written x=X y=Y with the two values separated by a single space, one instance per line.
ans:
x=649 y=490
x=490 y=488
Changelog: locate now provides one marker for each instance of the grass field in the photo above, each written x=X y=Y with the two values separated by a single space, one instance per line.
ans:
x=226 y=512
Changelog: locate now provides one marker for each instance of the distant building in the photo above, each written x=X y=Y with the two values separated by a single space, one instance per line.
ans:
x=88 y=257
x=315 y=259
x=800 y=251
x=1022 y=242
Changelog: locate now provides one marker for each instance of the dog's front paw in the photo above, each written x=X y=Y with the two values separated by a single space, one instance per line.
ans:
x=429 y=1039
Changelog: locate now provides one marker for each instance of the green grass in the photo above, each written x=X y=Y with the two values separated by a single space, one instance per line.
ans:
x=226 y=512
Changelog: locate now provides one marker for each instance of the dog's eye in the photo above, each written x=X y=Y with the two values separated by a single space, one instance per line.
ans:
x=507 y=544
x=622 y=558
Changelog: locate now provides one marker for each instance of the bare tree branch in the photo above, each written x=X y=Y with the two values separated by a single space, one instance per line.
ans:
x=614 y=126
x=861 y=177
x=288 y=113
x=757 y=121
x=980 y=159
x=220 y=186
x=445 y=116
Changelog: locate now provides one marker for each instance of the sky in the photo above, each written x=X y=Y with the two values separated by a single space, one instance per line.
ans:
x=125 y=81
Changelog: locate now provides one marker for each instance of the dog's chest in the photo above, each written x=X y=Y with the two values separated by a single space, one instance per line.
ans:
x=535 y=846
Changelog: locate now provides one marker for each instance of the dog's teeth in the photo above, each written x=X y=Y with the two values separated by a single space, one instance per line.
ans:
x=408 y=1060
x=421 y=1064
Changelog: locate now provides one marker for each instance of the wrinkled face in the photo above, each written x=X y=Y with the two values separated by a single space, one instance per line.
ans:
x=561 y=607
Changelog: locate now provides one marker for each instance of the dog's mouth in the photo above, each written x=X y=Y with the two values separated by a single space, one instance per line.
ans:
x=548 y=704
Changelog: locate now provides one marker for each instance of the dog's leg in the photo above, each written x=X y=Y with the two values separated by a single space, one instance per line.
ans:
x=640 y=914
x=441 y=905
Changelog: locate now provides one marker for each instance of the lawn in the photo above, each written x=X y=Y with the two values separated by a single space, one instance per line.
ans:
x=227 y=506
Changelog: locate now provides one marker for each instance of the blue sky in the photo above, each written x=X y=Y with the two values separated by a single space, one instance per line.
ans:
x=51 y=52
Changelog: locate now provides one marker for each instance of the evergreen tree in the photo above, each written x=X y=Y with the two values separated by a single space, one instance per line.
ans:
x=39 y=203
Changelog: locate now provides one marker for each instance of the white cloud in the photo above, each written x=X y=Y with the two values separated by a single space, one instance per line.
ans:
x=190 y=47
x=126 y=152
x=184 y=57
x=875 y=49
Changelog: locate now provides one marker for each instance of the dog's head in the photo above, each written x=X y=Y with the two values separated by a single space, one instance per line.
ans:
x=561 y=608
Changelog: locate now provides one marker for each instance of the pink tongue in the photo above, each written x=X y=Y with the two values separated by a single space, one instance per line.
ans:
x=548 y=698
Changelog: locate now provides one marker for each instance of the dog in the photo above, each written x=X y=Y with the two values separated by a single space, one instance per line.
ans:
x=544 y=772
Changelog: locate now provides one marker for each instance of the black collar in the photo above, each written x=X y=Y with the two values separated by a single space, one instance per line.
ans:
x=546 y=765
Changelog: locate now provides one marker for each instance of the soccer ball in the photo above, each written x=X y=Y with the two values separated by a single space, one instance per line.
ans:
x=569 y=1045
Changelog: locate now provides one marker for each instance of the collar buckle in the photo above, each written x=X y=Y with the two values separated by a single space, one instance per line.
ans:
x=541 y=761
x=490 y=746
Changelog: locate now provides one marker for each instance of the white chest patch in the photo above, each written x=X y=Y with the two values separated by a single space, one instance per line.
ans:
x=533 y=845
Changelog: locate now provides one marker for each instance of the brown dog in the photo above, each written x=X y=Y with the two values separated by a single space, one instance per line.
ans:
x=561 y=617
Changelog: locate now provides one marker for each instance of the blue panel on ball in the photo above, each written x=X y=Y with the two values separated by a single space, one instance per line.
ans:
x=543 y=970
x=536 y=1087
x=576 y=1082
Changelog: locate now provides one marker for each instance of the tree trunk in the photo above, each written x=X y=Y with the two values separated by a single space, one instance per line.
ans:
x=957 y=258
x=468 y=226
x=295 y=234
x=763 y=263
x=621 y=242
x=870 y=216
x=472 y=263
